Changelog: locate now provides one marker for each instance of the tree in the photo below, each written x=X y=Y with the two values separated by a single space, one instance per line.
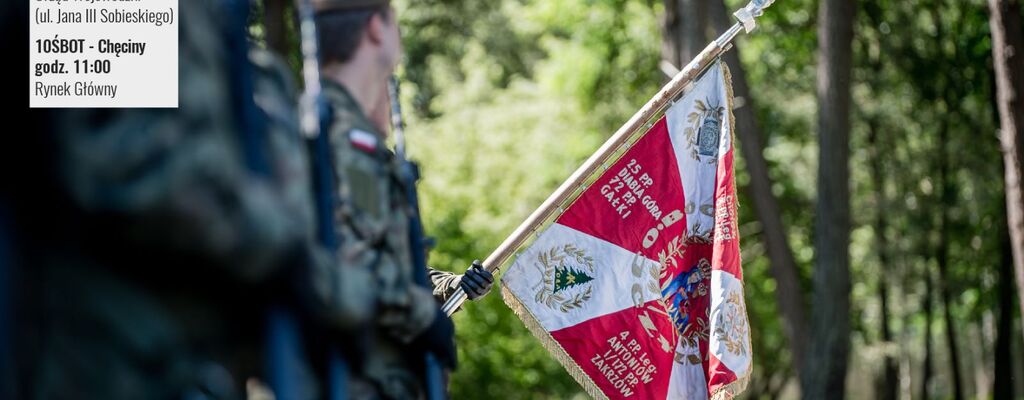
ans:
x=830 y=315
x=1008 y=59
x=275 y=17
x=889 y=379
x=926 y=375
x=684 y=28
x=947 y=194
x=1002 y=387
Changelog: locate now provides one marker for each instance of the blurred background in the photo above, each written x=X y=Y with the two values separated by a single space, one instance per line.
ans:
x=505 y=98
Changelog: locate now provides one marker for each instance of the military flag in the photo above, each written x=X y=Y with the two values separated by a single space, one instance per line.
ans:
x=636 y=287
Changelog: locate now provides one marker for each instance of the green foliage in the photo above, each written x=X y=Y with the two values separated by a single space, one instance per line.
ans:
x=493 y=156
x=511 y=96
x=510 y=102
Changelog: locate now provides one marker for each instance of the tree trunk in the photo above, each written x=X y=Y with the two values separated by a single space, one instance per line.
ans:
x=887 y=389
x=1002 y=387
x=926 y=374
x=830 y=317
x=951 y=341
x=788 y=292
x=1008 y=55
x=684 y=31
x=942 y=262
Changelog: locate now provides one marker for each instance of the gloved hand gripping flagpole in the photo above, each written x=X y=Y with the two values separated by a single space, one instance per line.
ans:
x=575 y=183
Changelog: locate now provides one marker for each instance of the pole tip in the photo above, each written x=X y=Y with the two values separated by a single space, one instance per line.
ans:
x=747 y=15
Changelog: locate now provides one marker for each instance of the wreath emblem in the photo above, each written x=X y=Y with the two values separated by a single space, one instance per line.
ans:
x=732 y=326
x=568 y=278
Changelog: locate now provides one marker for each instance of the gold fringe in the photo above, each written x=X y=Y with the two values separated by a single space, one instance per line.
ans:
x=550 y=344
x=727 y=78
x=731 y=390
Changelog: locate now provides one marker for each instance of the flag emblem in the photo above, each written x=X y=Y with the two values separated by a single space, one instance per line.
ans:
x=708 y=139
x=568 y=272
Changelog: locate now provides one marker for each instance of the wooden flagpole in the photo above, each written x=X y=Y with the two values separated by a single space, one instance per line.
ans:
x=554 y=203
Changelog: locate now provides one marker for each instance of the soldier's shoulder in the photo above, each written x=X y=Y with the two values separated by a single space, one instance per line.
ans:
x=348 y=131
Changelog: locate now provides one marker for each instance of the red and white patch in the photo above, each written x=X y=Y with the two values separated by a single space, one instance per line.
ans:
x=363 y=140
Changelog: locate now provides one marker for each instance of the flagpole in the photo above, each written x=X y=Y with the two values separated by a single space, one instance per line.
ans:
x=600 y=158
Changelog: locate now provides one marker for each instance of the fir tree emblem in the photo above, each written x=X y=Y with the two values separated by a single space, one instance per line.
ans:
x=567 y=277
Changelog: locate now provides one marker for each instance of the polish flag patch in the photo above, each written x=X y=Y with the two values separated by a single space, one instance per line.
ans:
x=363 y=140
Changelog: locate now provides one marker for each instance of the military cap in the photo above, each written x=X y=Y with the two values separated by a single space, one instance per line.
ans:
x=346 y=5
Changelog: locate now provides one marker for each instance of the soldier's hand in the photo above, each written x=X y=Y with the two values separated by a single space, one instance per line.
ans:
x=477 y=281
x=439 y=339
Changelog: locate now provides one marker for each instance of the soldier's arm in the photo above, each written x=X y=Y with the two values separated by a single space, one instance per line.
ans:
x=443 y=283
x=476 y=282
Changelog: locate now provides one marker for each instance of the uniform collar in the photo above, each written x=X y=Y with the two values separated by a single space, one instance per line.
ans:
x=341 y=99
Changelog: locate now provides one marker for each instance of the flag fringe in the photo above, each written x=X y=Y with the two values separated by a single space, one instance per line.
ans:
x=727 y=78
x=732 y=389
x=550 y=344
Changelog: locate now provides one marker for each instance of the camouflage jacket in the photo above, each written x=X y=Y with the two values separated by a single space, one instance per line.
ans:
x=373 y=222
x=345 y=293
x=444 y=283
x=373 y=216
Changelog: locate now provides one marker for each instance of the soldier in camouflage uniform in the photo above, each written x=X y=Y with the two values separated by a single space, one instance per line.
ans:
x=360 y=48
x=159 y=246
x=275 y=94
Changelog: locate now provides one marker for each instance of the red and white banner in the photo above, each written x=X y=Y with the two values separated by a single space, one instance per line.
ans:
x=637 y=287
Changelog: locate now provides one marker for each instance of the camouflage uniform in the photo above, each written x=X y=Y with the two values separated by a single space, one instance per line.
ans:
x=350 y=303
x=155 y=264
x=374 y=222
x=444 y=284
x=345 y=291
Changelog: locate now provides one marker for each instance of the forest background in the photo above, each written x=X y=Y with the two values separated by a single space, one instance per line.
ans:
x=873 y=192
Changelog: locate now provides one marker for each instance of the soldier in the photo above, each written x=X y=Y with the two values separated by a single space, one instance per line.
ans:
x=166 y=234
x=275 y=95
x=359 y=44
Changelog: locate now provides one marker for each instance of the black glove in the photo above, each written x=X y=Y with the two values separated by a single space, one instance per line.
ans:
x=477 y=281
x=439 y=339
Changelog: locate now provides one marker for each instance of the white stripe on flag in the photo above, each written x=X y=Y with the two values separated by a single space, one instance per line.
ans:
x=612 y=284
x=688 y=381
x=730 y=336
